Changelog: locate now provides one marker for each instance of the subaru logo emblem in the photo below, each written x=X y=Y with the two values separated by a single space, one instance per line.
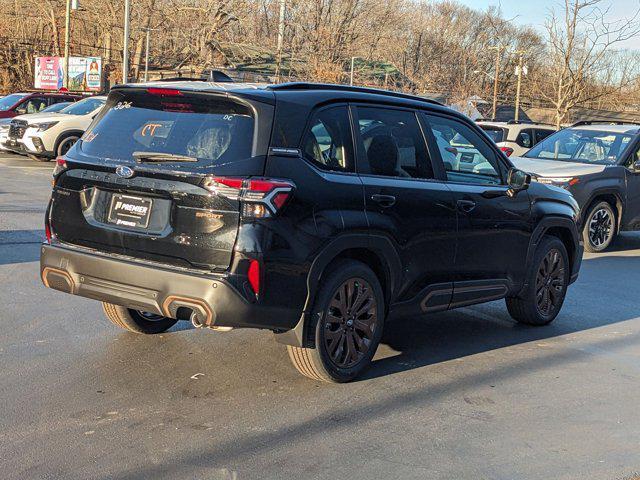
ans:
x=124 y=172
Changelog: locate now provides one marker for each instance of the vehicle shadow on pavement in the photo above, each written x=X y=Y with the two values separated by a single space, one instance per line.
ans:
x=419 y=342
x=467 y=331
x=625 y=241
x=235 y=451
x=20 y=246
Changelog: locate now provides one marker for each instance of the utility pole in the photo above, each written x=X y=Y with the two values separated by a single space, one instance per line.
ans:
x=519 y=73
x=353 y=61
x=67 y=39
x=283 y=7
x=146 y=57
x=125 y=48
x=498 y=49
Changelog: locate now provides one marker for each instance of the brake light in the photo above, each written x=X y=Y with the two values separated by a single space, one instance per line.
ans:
x=452 y=150
x=254 y=276
x=507 y=151
x=260 y=197
x=47 y=231
x=164 y=92
x=61 y=166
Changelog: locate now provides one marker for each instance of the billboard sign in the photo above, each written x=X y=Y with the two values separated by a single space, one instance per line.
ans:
x=85 y=73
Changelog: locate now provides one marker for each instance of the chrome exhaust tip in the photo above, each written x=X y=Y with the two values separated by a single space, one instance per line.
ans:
x=194 y=320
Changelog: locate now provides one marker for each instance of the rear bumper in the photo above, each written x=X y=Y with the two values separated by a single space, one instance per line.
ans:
x=151 y=288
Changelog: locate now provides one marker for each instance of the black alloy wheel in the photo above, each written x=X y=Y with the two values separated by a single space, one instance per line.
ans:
x=350 y=323
x=550 y=283
x=347 y=322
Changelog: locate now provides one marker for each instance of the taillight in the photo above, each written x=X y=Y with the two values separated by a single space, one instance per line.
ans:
x=47 y=231
x=61 y=166
x=507 y=151
x=254 y=276
x=260 y=197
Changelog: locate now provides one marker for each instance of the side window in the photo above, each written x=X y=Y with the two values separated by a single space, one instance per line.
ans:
x=34 y=105
x=328 y=141
x=542 y=134
x=392 y=143
x=466 y=158
x=525 y=138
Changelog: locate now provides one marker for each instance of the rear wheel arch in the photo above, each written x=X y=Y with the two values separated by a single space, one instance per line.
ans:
x=376 y=252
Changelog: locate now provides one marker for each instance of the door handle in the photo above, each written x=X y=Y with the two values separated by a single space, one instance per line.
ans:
x=385 y=201
x=466 y=206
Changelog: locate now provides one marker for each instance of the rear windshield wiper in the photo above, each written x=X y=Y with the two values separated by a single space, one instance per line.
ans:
x=161 y=157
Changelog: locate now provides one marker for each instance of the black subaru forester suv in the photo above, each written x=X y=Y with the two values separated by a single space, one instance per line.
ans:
x=319 y=212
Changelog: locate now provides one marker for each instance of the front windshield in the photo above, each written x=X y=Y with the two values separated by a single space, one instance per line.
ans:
x=83 y=107
x=583 y=146
x=10 y=100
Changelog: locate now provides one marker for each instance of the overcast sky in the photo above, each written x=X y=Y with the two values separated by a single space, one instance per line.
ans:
x=533 y=12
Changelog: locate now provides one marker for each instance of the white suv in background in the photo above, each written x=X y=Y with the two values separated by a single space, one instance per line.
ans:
x=516 y=138
x=47 y=136
x=5 y=124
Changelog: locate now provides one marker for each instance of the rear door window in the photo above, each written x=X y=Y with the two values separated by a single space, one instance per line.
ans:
x=210 y=129
x=392 y=143
x=525 y=138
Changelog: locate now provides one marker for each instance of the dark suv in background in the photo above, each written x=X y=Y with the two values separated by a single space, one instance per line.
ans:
x=599 y=164
x=319 y=212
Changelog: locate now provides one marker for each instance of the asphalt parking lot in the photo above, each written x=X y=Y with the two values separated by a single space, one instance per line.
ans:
x=462 y=394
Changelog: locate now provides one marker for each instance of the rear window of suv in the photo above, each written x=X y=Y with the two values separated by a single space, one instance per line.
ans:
x=209 y=128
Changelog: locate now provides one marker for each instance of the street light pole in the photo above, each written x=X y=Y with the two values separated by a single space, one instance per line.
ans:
x=125 y=48
x=519 y=72
x=498 y=49
x=67 y=39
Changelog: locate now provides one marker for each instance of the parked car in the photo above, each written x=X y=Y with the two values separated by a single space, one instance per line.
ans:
x=44 y=136
x=516 y=138
x=5 y=125
x=598 y=163
x=31 y=102
x=240 y=206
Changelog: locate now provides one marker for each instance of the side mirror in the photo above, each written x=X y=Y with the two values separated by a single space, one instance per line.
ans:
x=636 y=166
x=517 y=181
x=21 y=111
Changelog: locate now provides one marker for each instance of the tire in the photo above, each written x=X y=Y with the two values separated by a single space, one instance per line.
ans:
x=135 y=321
x=552 y=263
x=344 y=342
x=599 y=228
x=65 y=144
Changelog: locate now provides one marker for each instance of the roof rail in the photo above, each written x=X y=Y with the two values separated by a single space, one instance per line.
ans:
x=526 y=122
x=207 y=76
x=604 y=122
x=347 y=88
